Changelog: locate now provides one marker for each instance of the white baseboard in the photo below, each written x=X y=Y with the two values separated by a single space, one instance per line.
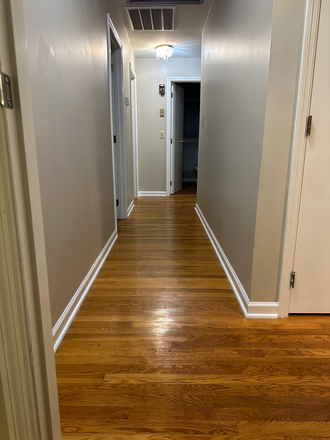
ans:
x=130 y=208
x=65 y=320
x=152 y=193
x=251 y=310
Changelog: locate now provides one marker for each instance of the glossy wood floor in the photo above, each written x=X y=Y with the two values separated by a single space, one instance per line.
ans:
x=160 y=349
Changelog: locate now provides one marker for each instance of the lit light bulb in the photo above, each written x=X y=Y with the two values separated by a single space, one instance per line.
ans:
x=164 y=51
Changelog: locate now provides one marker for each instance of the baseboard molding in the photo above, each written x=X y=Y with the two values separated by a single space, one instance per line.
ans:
x=130 y=208
x=62 y=325
x=152 y=193
x=250 y=309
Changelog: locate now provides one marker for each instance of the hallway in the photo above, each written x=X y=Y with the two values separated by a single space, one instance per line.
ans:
x=160 y=349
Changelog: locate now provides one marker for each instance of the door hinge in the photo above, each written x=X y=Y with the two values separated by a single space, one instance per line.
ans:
x=112 y=69
x=172 y=95
x=117 y=202
x=309 y=125
x=6 y=99
x=115 y=139
x=170 y=182
x=171 y=141
x=292 y=279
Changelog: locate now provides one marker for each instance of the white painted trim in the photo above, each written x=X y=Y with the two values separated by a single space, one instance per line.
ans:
x=170 y=80
x=115 y=33
x=18 y=398
x=130 y=209
x=251 y=310
x=65 y=320
x=30 y=229
x=313 y=8
x=135 y=145
x=117 y=102
x=152 y=193
x=111 y=119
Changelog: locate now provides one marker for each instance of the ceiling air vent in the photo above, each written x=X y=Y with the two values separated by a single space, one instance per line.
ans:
x=151 y=19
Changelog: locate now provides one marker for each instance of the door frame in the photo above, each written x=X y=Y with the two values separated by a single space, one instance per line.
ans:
x=117 y=118
x=169 y=121
x=312 y=20
x=29 y=381
x=135 y=145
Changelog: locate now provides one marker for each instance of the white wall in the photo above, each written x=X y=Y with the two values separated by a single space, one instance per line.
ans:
x=67 y=48
x=152 y=150
x=250 y=67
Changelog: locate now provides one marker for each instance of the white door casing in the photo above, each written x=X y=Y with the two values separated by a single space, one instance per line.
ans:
x=171 y=80
x=115 y=130
x=29 y=381
x=306 y=76
x=311 y=293
x=133 y=104
x=116 y=89
x=177 y=137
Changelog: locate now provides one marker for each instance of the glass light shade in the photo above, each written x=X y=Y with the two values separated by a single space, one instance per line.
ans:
x=164 y=51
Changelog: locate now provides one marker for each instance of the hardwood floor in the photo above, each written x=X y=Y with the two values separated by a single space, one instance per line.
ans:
x=161 y=350
x=188 y=189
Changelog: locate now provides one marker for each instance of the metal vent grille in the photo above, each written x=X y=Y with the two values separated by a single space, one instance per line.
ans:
x=151 y=19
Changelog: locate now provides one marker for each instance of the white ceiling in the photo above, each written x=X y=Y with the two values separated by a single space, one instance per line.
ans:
x=186 y=38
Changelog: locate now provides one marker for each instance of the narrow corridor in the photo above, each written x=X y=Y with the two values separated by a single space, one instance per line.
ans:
x=160 y=348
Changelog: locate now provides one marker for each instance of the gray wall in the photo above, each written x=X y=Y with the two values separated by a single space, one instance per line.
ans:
x=235 y=61
x=287 y=34
x=152 y=150
x=67 y=47
x=250 y=66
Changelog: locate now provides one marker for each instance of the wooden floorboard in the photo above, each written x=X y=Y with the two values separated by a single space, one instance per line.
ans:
x=160 y=349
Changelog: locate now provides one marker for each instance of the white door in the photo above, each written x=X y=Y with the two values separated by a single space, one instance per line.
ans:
x=311 y=293
x=177 y=136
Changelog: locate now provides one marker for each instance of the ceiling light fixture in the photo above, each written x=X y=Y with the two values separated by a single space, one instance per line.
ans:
x=164 y=51
x=165 y=2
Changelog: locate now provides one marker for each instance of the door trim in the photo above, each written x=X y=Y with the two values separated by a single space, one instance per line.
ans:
x=117 y=101
x=30 y=294
x=312 y=20
x=170 y=81
x=135 y=146
x=16 y=371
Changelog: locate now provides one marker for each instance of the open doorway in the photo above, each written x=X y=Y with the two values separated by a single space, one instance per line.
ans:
x=115 y=56
x=190 y=136
x=183 y=135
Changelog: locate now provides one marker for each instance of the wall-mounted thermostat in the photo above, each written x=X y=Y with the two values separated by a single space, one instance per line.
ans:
x=162 y=89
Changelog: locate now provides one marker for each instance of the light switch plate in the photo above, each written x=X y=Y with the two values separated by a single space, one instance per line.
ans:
x=162 y=113
x=162 y=134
